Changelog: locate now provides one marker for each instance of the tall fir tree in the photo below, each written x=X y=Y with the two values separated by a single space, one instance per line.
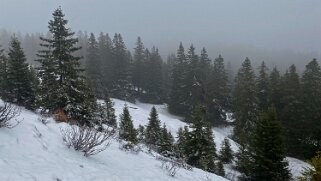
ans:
x=61 y=73
x=19 y=88
x=105 y=46
x=126 y=127
x=268 y=151
x=139 y=65
x=245 y=102
x=226 y=153
x=291 y=112
x=218 y=92
x=311 y=103
x=178 y=95
x=153 y=79
x=275 y=93
x=166 y=142
x=204 y=66
x=153 y=130
x=93 y=65
x=122 y=87
x=193 y=86
x=111 y=117
x=200 y=148
x=263 y=87
x=180 y=145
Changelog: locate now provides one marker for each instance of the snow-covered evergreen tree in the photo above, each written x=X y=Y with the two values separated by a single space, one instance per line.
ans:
x=226 y=153
x=127 y=131
x=63 y=85
x=200 y=148
x=153 y=130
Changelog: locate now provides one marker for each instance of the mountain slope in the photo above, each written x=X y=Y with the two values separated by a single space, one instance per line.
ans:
x=34 y=151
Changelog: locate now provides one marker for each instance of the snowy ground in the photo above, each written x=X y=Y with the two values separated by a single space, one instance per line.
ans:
x=140 y=113
x=34 y=151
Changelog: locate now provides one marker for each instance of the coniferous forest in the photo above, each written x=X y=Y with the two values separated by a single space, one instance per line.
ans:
x=274 y=113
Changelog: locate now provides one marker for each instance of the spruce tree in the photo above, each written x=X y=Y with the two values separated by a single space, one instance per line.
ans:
x=181 y=142
x=111 y=117
x=204 y=66
x=166 y=142
x=275 y=93
x=200 y=148
x=122 y=87
x=93 y=66
x=193 y=85
x=263 y=87
x=153 y=130
x=245 y=102
x=62 y=75
x=218 y=92
x=19 y=88
x=226 y=153
x=268 y=152
x=244 y=162
x=311 y=103
x=127 y=131
x=220 y=169
x=105 y=47
x=291 y=113
x=153 y=80
x=139 y=65
x=178 y=95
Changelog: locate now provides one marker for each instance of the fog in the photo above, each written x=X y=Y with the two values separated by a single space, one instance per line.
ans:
x=279 y=32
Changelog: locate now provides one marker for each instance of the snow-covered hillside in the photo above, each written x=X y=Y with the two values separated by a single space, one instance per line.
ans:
x=140 y=113
x=34 y=151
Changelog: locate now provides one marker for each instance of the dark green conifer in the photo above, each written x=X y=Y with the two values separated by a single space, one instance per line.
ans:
x=19 y=80
x=166 y=142
x=220 y=169
x=200 y=148
x=263 y=87
x=311 y=103
x=218 y=92
x=291 y=113
x=63 y=85
x=93 y=66
x=153 y=130
x=127 y=131
x=268 y=152
x=226 y=153
x=111 y=117
x=245 y=97
x=178 y=96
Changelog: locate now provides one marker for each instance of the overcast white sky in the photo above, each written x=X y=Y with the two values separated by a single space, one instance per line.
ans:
x=267 y=24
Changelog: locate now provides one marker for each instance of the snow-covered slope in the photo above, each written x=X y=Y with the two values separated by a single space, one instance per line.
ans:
x=140 y=113
x=34 y=151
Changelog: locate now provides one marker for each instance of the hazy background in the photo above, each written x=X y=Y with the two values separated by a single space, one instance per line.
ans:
x=279 y=32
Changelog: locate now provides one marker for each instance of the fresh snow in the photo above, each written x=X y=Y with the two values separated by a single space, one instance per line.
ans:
x=34 y=151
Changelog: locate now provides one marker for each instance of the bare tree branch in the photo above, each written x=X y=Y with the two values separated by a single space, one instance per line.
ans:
x=7 y=113
x=87 y=139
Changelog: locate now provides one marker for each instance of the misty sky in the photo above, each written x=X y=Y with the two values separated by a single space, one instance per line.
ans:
x=265 y=24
